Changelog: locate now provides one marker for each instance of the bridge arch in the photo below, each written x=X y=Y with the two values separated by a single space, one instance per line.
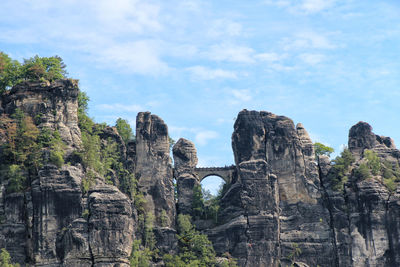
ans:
x=225 y=173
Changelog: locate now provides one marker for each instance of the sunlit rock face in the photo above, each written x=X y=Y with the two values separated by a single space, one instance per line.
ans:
x=52 y=105
x=282 y=205
x=185 y=161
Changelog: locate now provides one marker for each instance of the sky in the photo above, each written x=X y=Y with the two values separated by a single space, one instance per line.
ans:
x=325 y=63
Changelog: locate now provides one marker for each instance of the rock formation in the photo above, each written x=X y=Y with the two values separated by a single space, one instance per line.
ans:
x=185 y=161
x=282 y=206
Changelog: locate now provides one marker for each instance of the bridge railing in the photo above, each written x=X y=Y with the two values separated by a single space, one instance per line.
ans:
x=226 y=168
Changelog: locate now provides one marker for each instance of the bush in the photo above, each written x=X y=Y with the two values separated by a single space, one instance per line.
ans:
x=373 y=161
x=124 y=130
x=321 y=149
x=35 y=68
x=390 y=184
x=5 y=259
x=139 y=257
x=340 y=170
x=362 y=172
x=195 y=248
x=17 y=181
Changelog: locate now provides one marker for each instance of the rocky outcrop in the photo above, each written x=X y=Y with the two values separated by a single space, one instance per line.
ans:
x=155 y=175
x=53 y=222
x=185 y=161
x=287 y=153
x=366 y=232
x=52 y=105
x=282 y=206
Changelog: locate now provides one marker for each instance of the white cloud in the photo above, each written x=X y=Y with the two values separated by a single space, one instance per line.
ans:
x=238 y=96
x=312 y=59
x=270 y=57
x=224 y=27
x=135 y=57
x=120 y=107
x=127 y=15
x=303 y=6
x=203 y=137
x=112 y=34
x=243 y=95
x=314 y=6
x=306 y=40
x=231 y=53
x=204 y=73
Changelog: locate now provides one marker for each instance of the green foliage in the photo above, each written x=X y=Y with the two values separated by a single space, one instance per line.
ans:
x=362 y=172
x=139 y=257
x=9 y=72
x=198 y=202
x=390 y=183
x=321 y=149
x=373 y=161
x=5 y=259
x=164 y=218
x=103 y=156
x=88 y=181
x=340 y=170
x=48 y=68
x=296 y=251
x=17 y=181
x=195 y=248
x=124 y=130
x=173 y=261
x=52 y=140
x=35 y=68
x=149 y=239
x=23 y=152
x=85 y=214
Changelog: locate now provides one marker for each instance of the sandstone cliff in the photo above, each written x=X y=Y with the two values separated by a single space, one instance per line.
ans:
x=282 y=206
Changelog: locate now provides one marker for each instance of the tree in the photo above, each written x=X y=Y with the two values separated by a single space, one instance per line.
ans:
x=5 y=259
x=10 y=72
x=35 y=68
x=198 y=202
x=48 y=68
x=321 y=149
x=195 y=248
x=124 y=130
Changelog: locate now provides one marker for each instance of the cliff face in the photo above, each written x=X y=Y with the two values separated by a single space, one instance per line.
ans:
x=53 y=222
x=282 y=207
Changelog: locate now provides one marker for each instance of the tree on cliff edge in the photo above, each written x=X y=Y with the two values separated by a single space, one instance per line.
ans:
x=33 y=69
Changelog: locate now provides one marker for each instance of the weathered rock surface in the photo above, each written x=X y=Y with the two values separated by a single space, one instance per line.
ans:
x=366 y=232
x=185 y=161
x=281 y=206
x=53 y=223
x=53 y=105
x=154 y=172
x=287 y=154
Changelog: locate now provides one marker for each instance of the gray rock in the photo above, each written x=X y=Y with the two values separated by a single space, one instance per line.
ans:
x=154 y=172
x=185 y=161
x=52 y=105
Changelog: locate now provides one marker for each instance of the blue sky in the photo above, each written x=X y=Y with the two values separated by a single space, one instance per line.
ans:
x=325 y=63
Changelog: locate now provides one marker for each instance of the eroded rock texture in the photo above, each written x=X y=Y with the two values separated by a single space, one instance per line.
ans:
x=185 y=161
x=52 y=222
x=155 y=175
x=278 y=187
x=363 y=214
x=52 y=105
x=282 y=207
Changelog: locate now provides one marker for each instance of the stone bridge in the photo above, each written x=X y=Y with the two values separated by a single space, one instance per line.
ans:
x=225 y=173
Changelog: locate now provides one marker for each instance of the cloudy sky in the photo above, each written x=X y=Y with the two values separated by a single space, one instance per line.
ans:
x=196 y=64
